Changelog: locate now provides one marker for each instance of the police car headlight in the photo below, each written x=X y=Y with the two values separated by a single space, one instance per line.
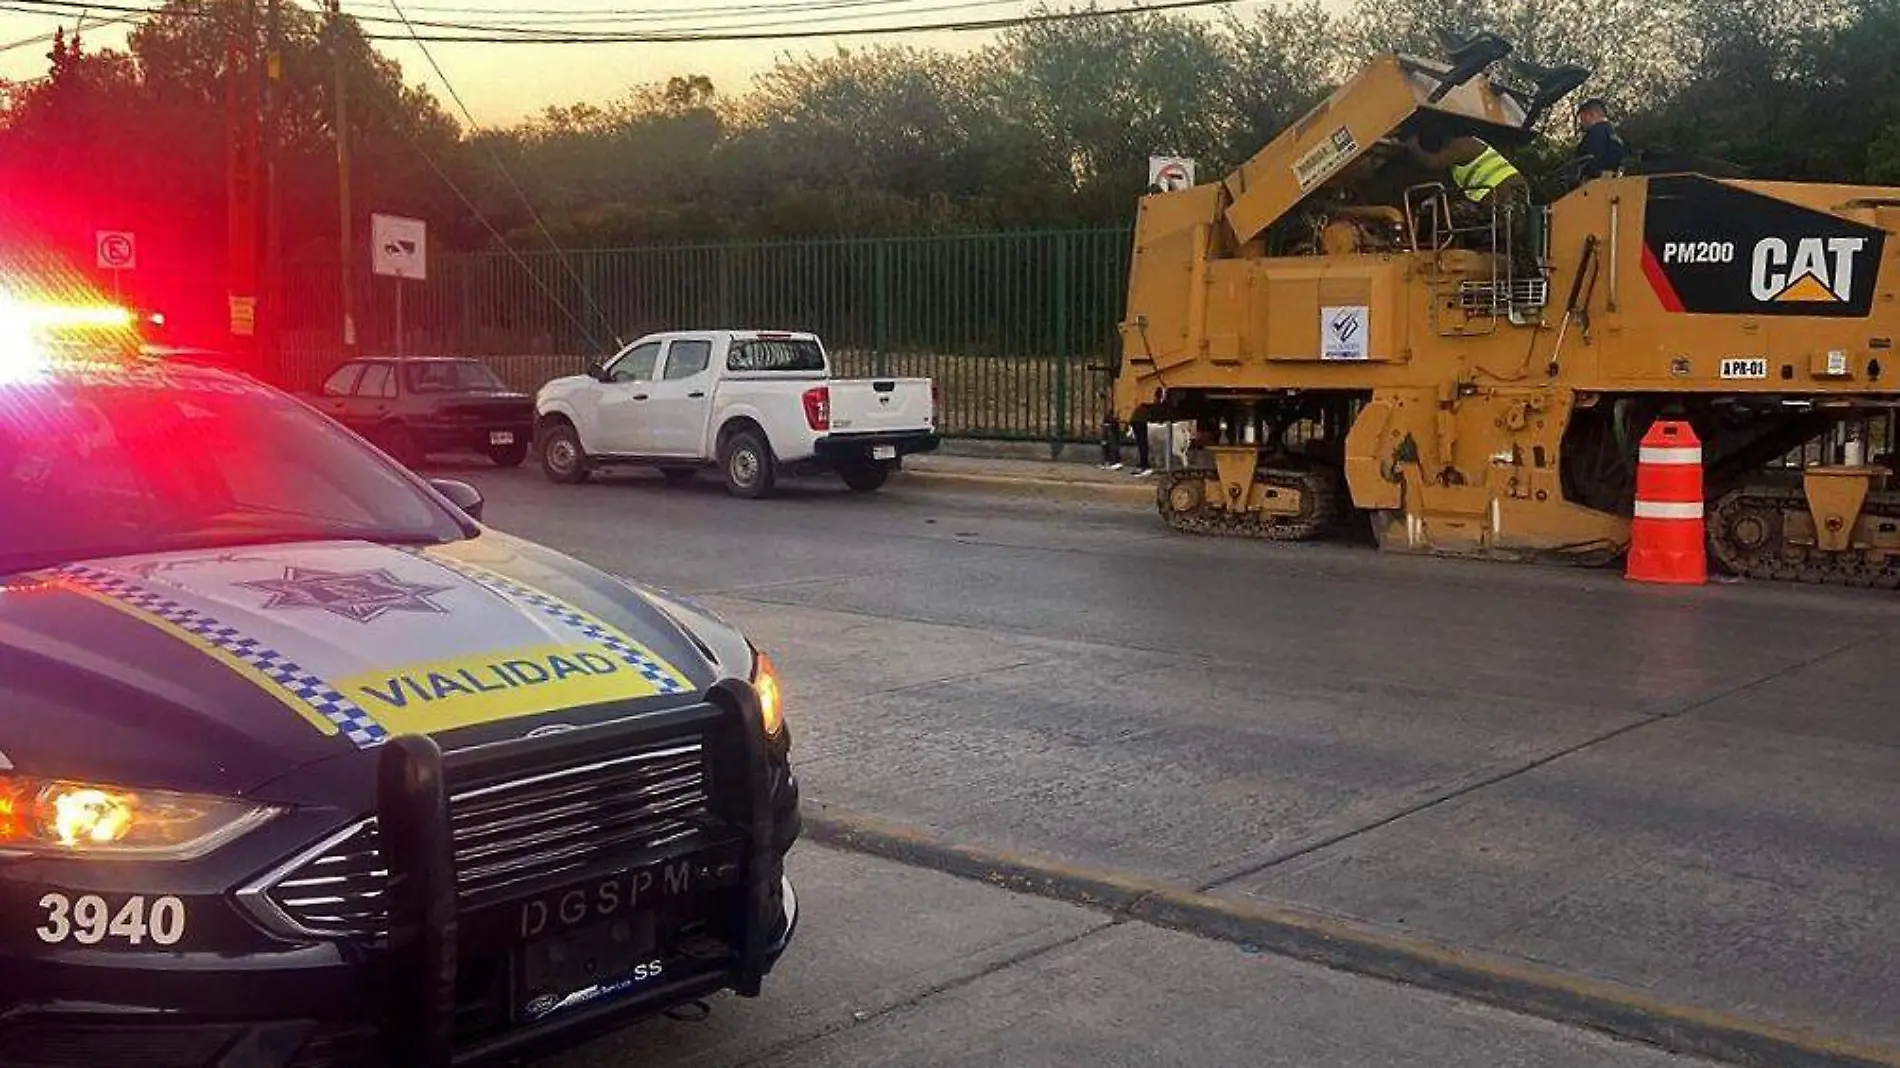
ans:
x=97 y=821
x=771 y=696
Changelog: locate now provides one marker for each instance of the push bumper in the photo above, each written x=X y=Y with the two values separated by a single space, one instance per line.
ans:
x=407 y=1001
x=840 y=450
x=309 y=1013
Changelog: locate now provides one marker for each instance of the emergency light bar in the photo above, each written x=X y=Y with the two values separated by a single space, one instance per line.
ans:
x=75 y=317
x=32 y=331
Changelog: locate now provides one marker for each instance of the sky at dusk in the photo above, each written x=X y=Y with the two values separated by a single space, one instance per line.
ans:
x=504 y=83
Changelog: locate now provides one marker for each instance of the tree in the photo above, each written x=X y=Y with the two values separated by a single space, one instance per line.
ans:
x=1757 y=66
x=1865 y=83
x=635 y=171
x=1281 y=62
x=148 y=124
x=1632 y=47
x=399 y=134
x=137 y=140
x=1103 y=94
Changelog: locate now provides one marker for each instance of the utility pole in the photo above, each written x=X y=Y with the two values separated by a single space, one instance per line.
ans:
x=241 y=133
x=346 y=244
x=271 y=335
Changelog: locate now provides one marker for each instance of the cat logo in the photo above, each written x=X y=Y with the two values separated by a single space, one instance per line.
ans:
x=1811 y=270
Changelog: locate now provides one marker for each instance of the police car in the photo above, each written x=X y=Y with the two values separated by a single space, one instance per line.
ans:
x=302 y=765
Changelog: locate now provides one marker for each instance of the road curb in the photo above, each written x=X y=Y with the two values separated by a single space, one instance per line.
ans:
x=1022 y=486
x=1518 y=986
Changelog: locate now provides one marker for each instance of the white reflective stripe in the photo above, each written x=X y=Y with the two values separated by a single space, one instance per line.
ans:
x=1668 y=510
x=1654 y=454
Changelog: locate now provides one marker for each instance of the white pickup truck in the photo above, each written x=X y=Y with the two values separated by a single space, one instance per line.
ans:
x=757 y=404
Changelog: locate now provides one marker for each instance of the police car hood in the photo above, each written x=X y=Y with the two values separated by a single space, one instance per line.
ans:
x=221 y=670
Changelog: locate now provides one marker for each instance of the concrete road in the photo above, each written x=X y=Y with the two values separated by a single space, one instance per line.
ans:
x=1686 y=792
x=895 y=965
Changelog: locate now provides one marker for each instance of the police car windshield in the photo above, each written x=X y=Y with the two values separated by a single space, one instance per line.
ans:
x=121 y=462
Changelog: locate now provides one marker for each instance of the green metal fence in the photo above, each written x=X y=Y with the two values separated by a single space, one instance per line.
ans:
x=1018 y=330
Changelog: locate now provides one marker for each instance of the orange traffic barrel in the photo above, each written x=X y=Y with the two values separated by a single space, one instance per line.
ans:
x=1666 y=535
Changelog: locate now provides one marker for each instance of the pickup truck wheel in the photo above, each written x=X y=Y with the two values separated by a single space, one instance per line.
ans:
x=508 y=455
x=865 y=477
x=747 y=463
x=562 y=458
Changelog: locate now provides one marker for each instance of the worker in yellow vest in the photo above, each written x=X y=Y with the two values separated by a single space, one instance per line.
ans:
x=1479 y=171
x=1492 y=190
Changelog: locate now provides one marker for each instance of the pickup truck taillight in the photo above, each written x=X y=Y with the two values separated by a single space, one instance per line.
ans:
x=818 y=408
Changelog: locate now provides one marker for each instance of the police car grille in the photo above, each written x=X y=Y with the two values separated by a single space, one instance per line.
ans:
x=528 y=829
x=514 y=833
x=339 y=891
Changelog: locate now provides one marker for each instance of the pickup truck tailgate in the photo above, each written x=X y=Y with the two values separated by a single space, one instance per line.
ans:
x=881 y=405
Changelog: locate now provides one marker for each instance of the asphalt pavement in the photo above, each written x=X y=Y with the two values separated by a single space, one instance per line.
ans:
x=1685 y=794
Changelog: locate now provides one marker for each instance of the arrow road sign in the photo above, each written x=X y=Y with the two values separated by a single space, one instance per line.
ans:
x=399 y=247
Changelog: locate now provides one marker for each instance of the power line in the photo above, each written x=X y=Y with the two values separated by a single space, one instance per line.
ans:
x=588 y=14
x=535 y=33
x=396 y=121
x=573 y=275
x=503 y=35
x=558 y=33
x=543 y=18
x=548 y=21
x=965 y=26
x=47 y=38
x=543 y=31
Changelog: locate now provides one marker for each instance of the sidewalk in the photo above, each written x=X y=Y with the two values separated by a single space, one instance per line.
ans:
x=1050 y=478
x=895 y=965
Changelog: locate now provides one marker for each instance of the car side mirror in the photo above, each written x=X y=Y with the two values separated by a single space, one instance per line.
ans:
x=460 y=494
x=598 y=372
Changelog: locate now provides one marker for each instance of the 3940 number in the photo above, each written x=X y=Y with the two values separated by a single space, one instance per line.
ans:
x=90 y=920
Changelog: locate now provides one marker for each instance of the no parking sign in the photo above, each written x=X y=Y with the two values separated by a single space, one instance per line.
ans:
x=1170 y=173
x=117 y=250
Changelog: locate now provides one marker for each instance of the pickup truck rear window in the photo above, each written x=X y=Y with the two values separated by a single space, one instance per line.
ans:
x=775 y=355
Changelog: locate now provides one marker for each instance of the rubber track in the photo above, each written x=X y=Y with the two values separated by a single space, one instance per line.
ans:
x=1779 y=562
x=1321 y=489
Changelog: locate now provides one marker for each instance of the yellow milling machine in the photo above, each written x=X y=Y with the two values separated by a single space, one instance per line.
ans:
x=1352 y=339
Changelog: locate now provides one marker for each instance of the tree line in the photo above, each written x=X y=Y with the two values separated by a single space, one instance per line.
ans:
x=1049 y=127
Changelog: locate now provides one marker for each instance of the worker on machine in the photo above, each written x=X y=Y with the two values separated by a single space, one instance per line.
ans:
x=1599 y=151
x=1480 y=172
x=1491 y=188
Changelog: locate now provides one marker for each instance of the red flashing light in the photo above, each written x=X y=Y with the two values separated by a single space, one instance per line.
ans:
x=76 y=316
x=818 y=408
x=32 y=332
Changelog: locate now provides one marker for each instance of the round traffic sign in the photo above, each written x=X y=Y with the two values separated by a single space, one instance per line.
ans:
x=116 y=250
x=1172 y=177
